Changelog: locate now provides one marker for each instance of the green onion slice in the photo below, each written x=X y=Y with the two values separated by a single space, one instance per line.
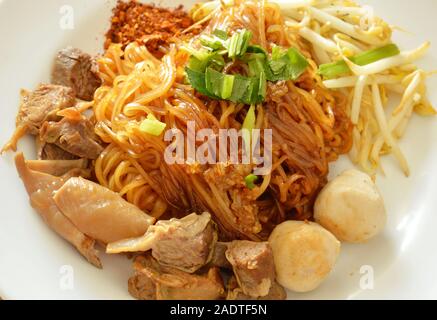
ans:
x=221 y=34
x=237 y=44
x=248 y=125
x=205 y=66
x=335 y=69
x=250 y=181
x=152 y=126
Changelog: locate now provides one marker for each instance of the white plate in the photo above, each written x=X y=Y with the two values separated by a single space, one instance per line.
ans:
x=33 y=258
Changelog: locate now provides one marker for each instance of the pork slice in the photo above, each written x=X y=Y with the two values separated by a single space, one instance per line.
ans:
x=41 y=187
x=253 y=266
x=78 y=70
x=75 y=135
x=277 y=292
x=42 y=104
x=186 y=244
x=99 y=212
x=153 y=281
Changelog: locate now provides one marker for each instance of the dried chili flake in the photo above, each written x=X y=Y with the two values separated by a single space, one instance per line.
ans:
x=147 y=24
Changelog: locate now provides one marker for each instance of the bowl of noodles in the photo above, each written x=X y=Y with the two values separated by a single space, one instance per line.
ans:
x=218 y=150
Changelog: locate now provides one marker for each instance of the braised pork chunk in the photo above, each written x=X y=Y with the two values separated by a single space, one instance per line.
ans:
x=74 y=134
x=219 y=256
x=152 y=281
x=50 y=151
x=78 y=70
x=253 y=266
x=277 y=292
x=185 y=244
x=43 y=104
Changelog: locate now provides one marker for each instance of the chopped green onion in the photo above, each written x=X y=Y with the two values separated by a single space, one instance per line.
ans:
x=217 y=62
x=239 y=42
x=232 y=87
x=370 y=56
x=277 y=66
x=250 y=181
x=262 y=88
x=211 y=42
x=277 y=52
x=214 y=81
x=247 y=127
x=249 y=96
x=221 y=34
x=152 y=126
x=231 y=45
x=200 y=54
x=204 y=71
x=217 y=85
x=283 y=64
x=198 y=65
x=197 y=80
x=246 y=37
x=298 y=63
x=256 y=63
x=250 y=120
x=256 y=49
x=212 y=59
x=331 y=70
x=227 y=86
x=259 y=89
x=242 y=86
x=286 y=64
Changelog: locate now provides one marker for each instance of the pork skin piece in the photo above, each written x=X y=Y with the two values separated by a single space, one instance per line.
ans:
x=99 y=212
x=57 y=168
x=41 y=187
